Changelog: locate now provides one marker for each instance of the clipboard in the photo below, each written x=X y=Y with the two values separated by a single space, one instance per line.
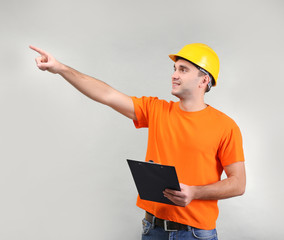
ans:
x=152 y=179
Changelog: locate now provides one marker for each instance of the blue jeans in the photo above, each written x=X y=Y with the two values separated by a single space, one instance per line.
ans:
x=151 y=232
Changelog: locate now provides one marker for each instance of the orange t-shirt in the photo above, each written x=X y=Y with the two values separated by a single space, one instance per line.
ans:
x=198 y=144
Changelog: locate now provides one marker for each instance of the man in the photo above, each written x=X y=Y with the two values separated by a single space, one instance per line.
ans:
x=197 y=139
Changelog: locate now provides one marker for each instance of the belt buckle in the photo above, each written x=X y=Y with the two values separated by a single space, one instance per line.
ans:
x=166 y=227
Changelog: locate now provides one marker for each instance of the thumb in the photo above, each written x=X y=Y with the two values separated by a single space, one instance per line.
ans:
x=43 y=66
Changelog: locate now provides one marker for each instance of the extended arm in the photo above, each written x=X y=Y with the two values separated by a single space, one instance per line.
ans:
x=91 y=87
x=233 y=185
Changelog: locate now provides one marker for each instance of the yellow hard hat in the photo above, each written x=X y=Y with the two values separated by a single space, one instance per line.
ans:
x=201 y=55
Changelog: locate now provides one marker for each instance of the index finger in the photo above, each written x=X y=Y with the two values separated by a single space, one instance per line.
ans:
x=40 y=51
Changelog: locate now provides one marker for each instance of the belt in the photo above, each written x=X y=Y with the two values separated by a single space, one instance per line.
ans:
x=165 y=224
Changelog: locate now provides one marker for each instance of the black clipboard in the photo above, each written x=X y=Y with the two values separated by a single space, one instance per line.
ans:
x=152 y=179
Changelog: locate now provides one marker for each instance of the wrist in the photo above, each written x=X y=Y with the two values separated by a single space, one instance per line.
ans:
x=196 y=191
x=61 y=69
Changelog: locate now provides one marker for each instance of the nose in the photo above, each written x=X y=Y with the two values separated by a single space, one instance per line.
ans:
x=175 y=75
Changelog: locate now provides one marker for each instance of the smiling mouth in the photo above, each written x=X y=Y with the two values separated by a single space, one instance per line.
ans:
x=174 y=84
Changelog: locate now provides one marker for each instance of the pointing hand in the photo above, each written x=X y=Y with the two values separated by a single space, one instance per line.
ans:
x=46 y=61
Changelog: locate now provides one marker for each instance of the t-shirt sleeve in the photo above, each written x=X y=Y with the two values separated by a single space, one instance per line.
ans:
x=143 y=107
x=231 y=147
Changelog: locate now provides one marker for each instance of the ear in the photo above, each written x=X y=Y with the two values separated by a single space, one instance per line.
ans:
x=204 y=81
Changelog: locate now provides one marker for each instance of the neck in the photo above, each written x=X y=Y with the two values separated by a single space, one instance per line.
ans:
x=191 y=105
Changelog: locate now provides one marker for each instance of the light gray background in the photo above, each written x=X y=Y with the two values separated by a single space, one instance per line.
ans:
x=63 y=173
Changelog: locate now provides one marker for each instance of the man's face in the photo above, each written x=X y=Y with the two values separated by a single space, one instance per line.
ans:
x=185 y=79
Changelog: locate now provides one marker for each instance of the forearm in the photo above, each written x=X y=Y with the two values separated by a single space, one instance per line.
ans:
x=91 y=87
x=99 y=91
x=227 y=188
